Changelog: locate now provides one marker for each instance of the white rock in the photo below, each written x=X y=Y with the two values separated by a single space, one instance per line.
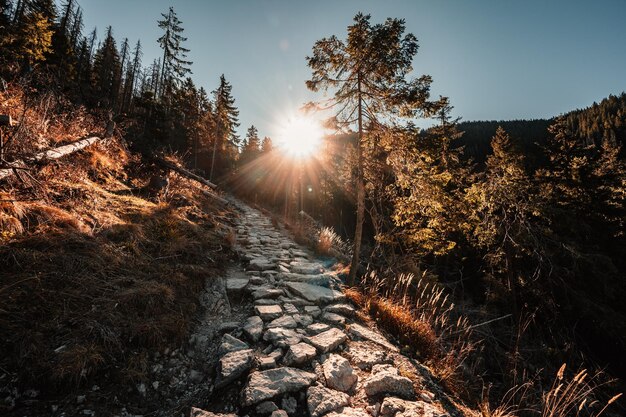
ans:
x=339 y=373
x=321 y=400
x=328 y=341
x=299 y=354
x=268 y=312
x=268 y=384
x=385 y=379
x=253 y=328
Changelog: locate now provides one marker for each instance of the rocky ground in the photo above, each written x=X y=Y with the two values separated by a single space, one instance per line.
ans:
x=289 y=343
x=276 y=338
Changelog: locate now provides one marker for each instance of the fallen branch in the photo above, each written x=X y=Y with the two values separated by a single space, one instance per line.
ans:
x=184 y=172
x=10 y=168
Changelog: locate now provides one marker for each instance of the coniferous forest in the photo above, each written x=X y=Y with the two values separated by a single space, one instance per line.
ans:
x=492 y=252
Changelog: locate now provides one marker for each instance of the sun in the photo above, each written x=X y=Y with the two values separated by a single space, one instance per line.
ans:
x=300 y=136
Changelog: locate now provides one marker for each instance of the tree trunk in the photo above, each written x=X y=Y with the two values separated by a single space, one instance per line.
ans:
x=214 y=151
x=360 y=193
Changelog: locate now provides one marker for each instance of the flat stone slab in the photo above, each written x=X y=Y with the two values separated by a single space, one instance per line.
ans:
x=267 y=292
x=282 y=337
x=260 y=264
x=328 y=341
x=321 y=400
x=231 y=344
x=314 y=311
x=315 y=293
x=253 y=328
x=367 y=334
x=317 y=328
x=233 y=365
x=300 y=354
x=343 y=309
x=303 y=320
x=268 y=312
x=306 y=268
x=290 y=308
x=265 y=385
x=385 y=379
x=333 y=318
x=285 y=321
x=323 y=280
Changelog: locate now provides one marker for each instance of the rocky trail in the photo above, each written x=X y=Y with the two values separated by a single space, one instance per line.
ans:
x=285 y=342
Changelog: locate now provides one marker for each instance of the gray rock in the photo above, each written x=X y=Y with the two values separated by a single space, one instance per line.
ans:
x=348 y=412
x=235 y=286
x=228 y=326
x=281 y=337
x=289 y=404
x=290 y=308
x=267 y=292
x=268 y=312
x=323 y=280
x=343 y=309
x=287 y=322
x=260 y=264
x=231 y=344
x=314 y=311
x=385 y=379
x=279 y=413
x=268 y=384
x=315 y=293
x=364 y=356
x=253 y=328
x=338 y=373
x=233 y=365
x=266 y=362
x=333 y=318
x=322 y=400
x=306 y=268
x=328 y=341
x=266 y=407
x=299 y=354
x=196 y=412
x=396 y=407
x=367 y=334
x=257 y=281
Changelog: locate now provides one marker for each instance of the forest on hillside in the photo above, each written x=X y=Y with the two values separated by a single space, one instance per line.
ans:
x=517 y=227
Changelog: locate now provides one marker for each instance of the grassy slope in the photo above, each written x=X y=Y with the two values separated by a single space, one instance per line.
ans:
x=92 y=275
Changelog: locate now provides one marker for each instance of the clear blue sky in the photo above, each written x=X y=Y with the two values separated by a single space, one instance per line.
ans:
x=495 y=59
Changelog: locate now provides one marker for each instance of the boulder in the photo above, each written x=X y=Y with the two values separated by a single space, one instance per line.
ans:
x=396 y=407
x=321 y=400
x=265 y=385
x=314 y=311
x=343 y=309
x=339 y=373
x=196 y=412
x=267 y=292
x=333 y=318
x=364 y=356
x=317 y=328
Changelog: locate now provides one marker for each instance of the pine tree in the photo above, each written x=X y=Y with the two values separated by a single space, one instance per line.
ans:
x=267 y=145
x=368 y=75
x=251 y=147
x=106 y=69
x=226 y=120
x=174 y=66
x=34 y=37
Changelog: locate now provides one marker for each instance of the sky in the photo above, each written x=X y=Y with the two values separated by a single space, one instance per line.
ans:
x=494 y=59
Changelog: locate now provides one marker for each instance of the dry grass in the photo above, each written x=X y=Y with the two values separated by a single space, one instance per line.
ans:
x=573 y=396
x=93 y=277
x=420 y=315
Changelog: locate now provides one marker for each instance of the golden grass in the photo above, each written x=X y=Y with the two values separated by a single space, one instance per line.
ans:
x=93 y=277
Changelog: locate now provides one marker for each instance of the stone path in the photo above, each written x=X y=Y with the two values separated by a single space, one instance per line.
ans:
x=293 y=346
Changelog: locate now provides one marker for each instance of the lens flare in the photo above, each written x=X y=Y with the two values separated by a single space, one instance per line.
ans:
x=300 y=136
